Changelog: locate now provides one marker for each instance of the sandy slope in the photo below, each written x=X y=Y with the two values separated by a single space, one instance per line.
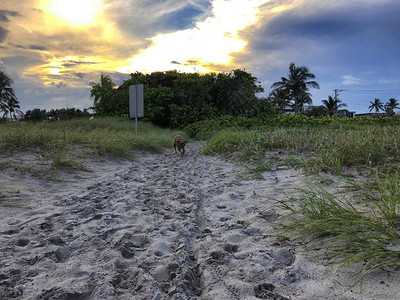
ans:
x=164 y=227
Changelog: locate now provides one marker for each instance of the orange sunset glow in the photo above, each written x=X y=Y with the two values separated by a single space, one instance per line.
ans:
x=206 y=46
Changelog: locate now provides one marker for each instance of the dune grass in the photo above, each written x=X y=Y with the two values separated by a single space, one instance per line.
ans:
x=367 y=233
x=328 y=148
x=63 y=143
x=362 y=230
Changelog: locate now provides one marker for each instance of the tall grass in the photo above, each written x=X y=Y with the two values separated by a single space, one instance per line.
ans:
x=367 y=234
x=64 y=141
x=328 y=148
x=365 y=231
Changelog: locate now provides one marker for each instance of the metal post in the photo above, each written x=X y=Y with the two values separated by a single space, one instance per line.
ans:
x=67 y=103
x=136 y=110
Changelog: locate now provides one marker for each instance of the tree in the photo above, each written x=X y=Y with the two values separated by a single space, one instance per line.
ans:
x=297 y=86
x=390 y=106
x=234 y=93
x=8 y=101
x=103 y=94
x=332 y=105
x=316 y=111
x=377 y=104
x=12 y=109
x=280 y=98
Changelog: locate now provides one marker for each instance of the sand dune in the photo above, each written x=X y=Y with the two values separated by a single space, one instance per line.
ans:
x=163 y=227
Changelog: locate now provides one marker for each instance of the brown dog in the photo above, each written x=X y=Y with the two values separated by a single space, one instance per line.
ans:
x=179 y=143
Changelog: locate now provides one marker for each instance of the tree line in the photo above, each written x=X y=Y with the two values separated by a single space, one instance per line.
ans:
x=55 y=114
x=174 y=99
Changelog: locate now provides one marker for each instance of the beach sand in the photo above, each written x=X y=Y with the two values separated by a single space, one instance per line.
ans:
x=164 y=226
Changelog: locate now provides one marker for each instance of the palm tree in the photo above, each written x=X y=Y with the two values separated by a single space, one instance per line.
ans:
x=332 y=105
x=377 y=105
x=103 y=93
x=12 y=109
x=297 y=86
x=390 y=106
x=7 y=95
x=279 y=97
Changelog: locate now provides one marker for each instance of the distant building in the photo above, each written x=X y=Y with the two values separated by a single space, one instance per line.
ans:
x=370 y=115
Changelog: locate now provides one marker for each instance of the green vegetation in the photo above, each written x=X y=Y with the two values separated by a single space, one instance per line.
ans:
x=357 y=227
x=173 y=99
x=9 y=104
x=365 y=233
x=377 y=104
x=332 y=105
x=295 y=87
x=325 y=148
x=37 y=114
x=223 y=109
x=64 y=142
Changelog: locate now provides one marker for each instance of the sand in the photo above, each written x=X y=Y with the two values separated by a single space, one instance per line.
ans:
x=164 y=226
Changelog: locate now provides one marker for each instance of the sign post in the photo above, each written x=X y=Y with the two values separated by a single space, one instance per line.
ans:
x=136 y=106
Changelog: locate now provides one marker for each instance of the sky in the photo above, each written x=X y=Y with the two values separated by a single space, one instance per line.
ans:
x=54 y=49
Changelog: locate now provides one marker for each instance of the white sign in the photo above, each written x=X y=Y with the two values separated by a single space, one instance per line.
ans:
x=136 y=106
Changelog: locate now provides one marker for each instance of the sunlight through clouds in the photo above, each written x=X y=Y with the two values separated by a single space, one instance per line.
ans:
x=75 y=12
x=47 y=43
x=209 y=43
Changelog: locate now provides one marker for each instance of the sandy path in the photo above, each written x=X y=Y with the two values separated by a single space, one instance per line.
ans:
x=165 y=227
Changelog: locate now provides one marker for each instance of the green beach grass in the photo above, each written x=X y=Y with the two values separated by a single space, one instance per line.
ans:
x=324 y=148
x=366 y=232
x=63 y=143
x=362 y=228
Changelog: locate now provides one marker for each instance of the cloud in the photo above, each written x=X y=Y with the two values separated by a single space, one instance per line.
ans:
x=187 y=63
x=59 y=85
x=80 y=75
x=144 y=19
x=209 y=43
x=31 y=47
x=36 y=47
x=41 y=50
x=4 y=18
x=333 y=31
x=389 y=81
x=3 y=34
x=350 y=80
x=74 y=63
x=5 y=14
x=332 y=38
